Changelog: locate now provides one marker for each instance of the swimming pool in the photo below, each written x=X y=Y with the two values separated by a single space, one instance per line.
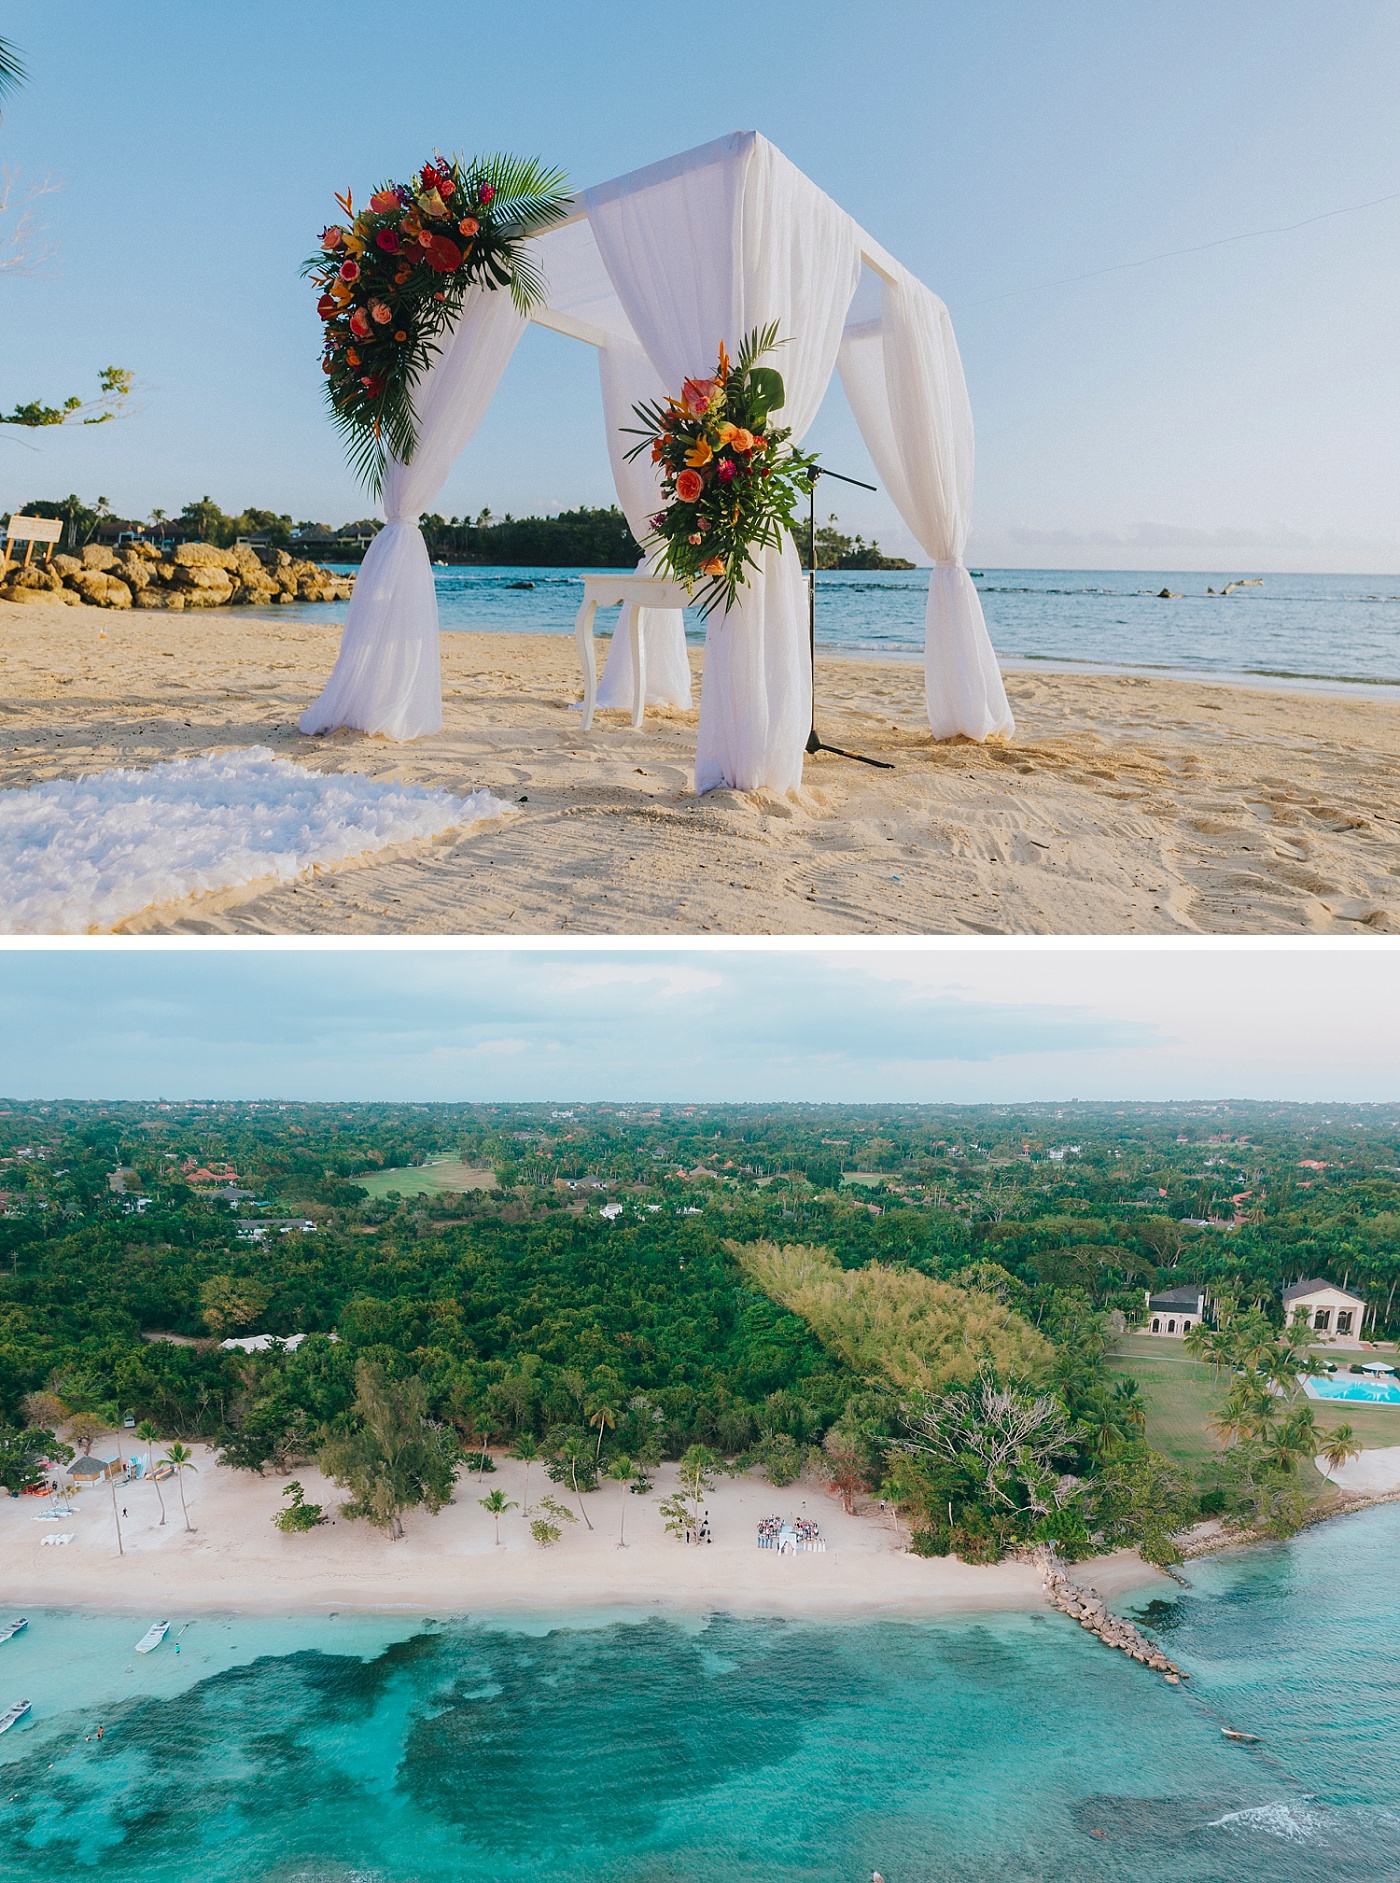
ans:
x=1374 y=1392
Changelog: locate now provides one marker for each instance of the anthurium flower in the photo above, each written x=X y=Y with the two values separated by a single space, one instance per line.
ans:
x=431 y=203
x=384 y=202
x=696 y=395
x=326 y=306
x=689 y=486
x=700 y=454
x=441 y=254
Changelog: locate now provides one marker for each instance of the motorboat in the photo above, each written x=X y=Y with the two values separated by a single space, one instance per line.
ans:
x=14 y=1714
x=12 y=1628
x=153 y=1637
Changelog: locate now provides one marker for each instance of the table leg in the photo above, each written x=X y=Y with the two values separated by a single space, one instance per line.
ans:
x=639 y=666
x=583 y=628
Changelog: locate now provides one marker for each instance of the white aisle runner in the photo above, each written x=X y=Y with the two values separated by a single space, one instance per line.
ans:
x=80 y=855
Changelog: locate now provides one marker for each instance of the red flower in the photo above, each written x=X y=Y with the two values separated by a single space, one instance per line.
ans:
x=689 y=486
x=485 y=193
x=727 y=468
x=441 y=254
x=350 y=270
x=325 y=307
x=388 y=240
x=359 y=324
x=327 y=366
x=372 y=384
x=384 y=202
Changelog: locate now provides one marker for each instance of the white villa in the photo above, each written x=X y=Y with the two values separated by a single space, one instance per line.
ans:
x=1331 y=1312
x=1175 y=1311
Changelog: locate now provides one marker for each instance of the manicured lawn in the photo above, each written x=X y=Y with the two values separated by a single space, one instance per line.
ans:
x=427 y=1179
x=1182 y=1396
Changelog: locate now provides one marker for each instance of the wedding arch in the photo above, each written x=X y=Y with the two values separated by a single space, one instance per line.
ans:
x=654 y=270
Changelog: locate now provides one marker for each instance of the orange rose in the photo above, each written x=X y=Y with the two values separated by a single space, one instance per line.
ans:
x=742 y=440
x=689 y=486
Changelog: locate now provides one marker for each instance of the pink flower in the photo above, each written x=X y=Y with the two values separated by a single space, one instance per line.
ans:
x=380 y=312
x=485 y=193
x=359 y=324
x=658 y=519
x=696 y=538
x=332 y=237
x=689 y=486
x=350 y=270
x=696 y=395
x=388 y=240
x=727 y=470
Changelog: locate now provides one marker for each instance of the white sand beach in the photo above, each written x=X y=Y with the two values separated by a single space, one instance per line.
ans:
x=235 y=1559
x=1127 y=804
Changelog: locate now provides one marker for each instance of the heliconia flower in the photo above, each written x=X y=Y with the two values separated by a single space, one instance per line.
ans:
x=469 y=225
x=359 y=324
x=332 y=237
x=689 y=485
x=388 y=240
x=381 y=312
x=485 y=193
x=350 y=271
x=384 y=202
x=727 y=469
x=699 y=455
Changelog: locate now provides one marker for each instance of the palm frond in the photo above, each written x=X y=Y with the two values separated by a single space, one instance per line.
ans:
x=12 y=70
x=757 y=342
x=526 y=192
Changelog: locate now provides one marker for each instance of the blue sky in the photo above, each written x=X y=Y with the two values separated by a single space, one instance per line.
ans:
x=879 y=1025
x=1236 y=406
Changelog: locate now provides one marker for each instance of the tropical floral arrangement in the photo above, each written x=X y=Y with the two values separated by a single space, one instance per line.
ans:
x=392 y=277
x=730 y=486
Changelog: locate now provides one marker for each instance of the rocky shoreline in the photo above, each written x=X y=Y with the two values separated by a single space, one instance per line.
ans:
x=193 y=575
x=1089 y=1611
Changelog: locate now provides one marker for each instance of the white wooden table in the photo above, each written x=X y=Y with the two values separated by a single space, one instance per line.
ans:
x=611 y=591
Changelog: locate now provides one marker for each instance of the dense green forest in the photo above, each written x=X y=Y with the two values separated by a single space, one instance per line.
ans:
x=857 y=1292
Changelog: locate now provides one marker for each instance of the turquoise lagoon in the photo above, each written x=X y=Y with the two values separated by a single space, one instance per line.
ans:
x=394 y=1750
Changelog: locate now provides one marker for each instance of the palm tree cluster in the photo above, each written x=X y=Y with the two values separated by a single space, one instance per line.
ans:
x=1266 y=1424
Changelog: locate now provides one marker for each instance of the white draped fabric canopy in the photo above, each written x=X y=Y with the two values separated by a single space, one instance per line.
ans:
x=655 y=269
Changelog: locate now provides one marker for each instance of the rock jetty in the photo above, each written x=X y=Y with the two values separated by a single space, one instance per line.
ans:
x=193 y=575
x=1086 y=1608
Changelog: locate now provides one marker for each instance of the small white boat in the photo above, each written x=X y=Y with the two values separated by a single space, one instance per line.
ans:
x=13 y=1628
x=153 y=1637
x=14 y=1714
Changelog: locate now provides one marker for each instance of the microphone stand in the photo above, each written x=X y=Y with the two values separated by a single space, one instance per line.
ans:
x=815 y=742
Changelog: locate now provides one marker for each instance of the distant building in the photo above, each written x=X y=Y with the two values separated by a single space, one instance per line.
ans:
x=1175 y=1311
x=93 y=1470
x=1329 y=1312
x=285 y=1226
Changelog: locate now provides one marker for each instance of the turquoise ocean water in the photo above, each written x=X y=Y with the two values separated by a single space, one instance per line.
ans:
x=1296 y=627
x=410 y=1750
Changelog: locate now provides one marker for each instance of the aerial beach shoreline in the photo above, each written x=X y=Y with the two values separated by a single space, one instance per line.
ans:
x=1127 y=803
x=236 y=1561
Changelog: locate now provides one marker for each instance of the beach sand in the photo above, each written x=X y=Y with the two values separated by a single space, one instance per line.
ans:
x=1127 y=804
x=236 y=1560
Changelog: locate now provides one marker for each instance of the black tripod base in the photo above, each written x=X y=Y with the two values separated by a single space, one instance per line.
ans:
x=814 y=744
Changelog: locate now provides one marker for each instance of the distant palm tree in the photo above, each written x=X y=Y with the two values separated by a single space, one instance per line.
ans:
x=148 y=1435
x=498 y=1504
x=183 y=1460
x=526 y=1449
x=604 y=1418
x=1127 y=1395
x=1340 y=1446
x=623 y=1470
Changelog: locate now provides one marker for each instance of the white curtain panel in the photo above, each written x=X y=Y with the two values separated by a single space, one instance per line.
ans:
x=904 y=380
x=387 y=677
x=628 y=377
x=701 y=249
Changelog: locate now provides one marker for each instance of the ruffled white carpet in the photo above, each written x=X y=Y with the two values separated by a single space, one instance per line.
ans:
x=83 y=854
